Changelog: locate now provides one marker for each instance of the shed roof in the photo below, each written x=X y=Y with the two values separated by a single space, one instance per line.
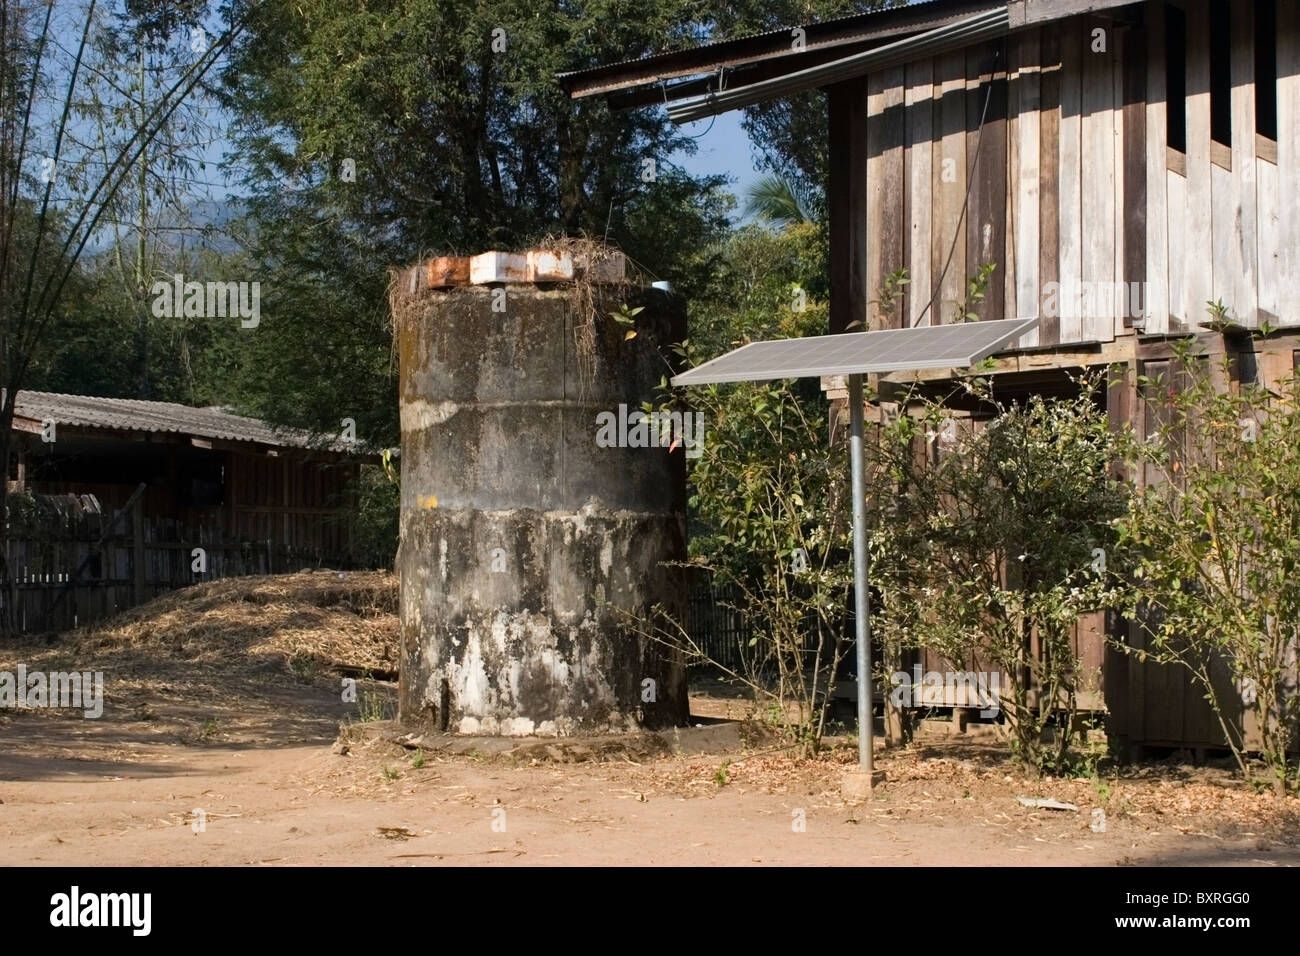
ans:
x=753 y=59
x=849 y=31
x=138 y=415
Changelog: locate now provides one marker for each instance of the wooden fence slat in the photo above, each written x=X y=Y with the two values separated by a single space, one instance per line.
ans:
x=73 y=567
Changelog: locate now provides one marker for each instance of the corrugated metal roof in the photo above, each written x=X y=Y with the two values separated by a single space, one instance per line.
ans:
x=953 y=36
x=782 y=31
x=857 y=27
x=743 y=56
x=137 y=415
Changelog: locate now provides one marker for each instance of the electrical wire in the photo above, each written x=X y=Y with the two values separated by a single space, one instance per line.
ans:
x=970 y=182
x=712 y=119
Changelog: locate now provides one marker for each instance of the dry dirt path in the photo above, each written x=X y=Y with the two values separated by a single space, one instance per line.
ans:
x=121 y=790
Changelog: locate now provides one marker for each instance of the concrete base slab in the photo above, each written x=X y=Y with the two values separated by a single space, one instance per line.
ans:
x=858 y=784
x=715 y=738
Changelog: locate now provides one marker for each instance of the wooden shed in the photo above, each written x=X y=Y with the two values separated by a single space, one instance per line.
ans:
x=110 y=498
x=1121 y=164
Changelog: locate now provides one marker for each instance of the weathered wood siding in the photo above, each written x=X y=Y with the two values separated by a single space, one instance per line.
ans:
x=297 y=504
x=1046 y=153
x=84 y=560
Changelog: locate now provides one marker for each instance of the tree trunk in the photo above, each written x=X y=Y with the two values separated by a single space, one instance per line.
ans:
x=8 y=621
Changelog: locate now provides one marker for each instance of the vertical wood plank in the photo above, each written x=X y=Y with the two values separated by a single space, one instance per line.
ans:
x=1224 y=210
x=1176 y=189
x=1199 y=279
x=876 y=200
x=986 y=150
x=1136 y=686
x=137 y=552
x=1049 y=195
x=1134 y=156
x=1269 y=241
x=1288 y=157
x=286 y=502
x=892 y=192
x=948 y=241
x=1243 y=243
x=1161 y=688
x=920 y=171
x=1097 y=184
x=1121 y=222
x=1156 y=298
x=1025 y=193
x=847 y=180
x=1071 y=186
x=1011 y=199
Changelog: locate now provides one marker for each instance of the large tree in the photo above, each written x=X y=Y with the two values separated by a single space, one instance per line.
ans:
x=57 y=189
x=368 y=134
x=153 y=223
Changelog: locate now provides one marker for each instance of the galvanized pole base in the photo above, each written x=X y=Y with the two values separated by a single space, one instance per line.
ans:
x=862 y=597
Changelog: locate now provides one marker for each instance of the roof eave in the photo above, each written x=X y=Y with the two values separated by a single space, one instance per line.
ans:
x=951 y=36
x=768 y=57
x=775 y=45
x=90 y=431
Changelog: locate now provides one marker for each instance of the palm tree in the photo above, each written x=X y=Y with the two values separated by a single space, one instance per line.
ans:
x=780 y=202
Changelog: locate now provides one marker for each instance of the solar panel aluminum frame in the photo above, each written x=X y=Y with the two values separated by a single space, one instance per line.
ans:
x=999 y=333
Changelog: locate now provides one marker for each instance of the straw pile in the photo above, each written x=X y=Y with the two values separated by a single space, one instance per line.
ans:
x=298 y=626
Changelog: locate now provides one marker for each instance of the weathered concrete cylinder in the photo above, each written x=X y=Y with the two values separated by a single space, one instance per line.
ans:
x=525 y=545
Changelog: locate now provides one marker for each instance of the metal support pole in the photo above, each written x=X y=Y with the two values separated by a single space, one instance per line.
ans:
x=861 y=596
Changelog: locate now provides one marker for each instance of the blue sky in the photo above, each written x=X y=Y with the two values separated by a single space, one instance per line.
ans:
x=724 y=149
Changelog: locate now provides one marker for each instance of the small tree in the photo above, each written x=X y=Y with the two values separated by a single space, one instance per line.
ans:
x=1214 y=538
x=987 y=549
x=769 y=492
x=776 y=493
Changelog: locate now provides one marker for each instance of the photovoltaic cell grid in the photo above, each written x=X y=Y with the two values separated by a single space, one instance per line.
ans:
x=890 y=350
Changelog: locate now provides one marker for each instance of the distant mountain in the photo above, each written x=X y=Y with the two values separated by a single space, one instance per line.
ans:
x=204 y=224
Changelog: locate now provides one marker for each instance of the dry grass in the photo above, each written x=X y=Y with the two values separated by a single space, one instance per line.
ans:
x=978 y=783
x=587 y=297
x=335 y=618
x=199 y=642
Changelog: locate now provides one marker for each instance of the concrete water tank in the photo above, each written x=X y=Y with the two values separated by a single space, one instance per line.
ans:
x=535 y=536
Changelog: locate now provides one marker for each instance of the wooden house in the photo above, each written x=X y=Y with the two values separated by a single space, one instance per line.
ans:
x=1122 y=164
x=110 y=498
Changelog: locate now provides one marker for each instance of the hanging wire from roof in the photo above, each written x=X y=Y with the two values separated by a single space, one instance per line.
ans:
x=965 y=205
x=722 y=85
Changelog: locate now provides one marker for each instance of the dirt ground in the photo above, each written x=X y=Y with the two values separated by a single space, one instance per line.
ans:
x=249 y=734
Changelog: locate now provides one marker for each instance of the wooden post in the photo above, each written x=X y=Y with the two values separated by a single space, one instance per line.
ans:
x=848 y=212
x=289 y=472
x=350 y=498
x=960 y=715
x=137 y=552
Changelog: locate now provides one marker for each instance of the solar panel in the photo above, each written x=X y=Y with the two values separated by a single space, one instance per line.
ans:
x=890 y=350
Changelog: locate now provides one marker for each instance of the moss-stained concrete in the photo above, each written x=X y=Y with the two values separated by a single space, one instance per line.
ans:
x=525 y=545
